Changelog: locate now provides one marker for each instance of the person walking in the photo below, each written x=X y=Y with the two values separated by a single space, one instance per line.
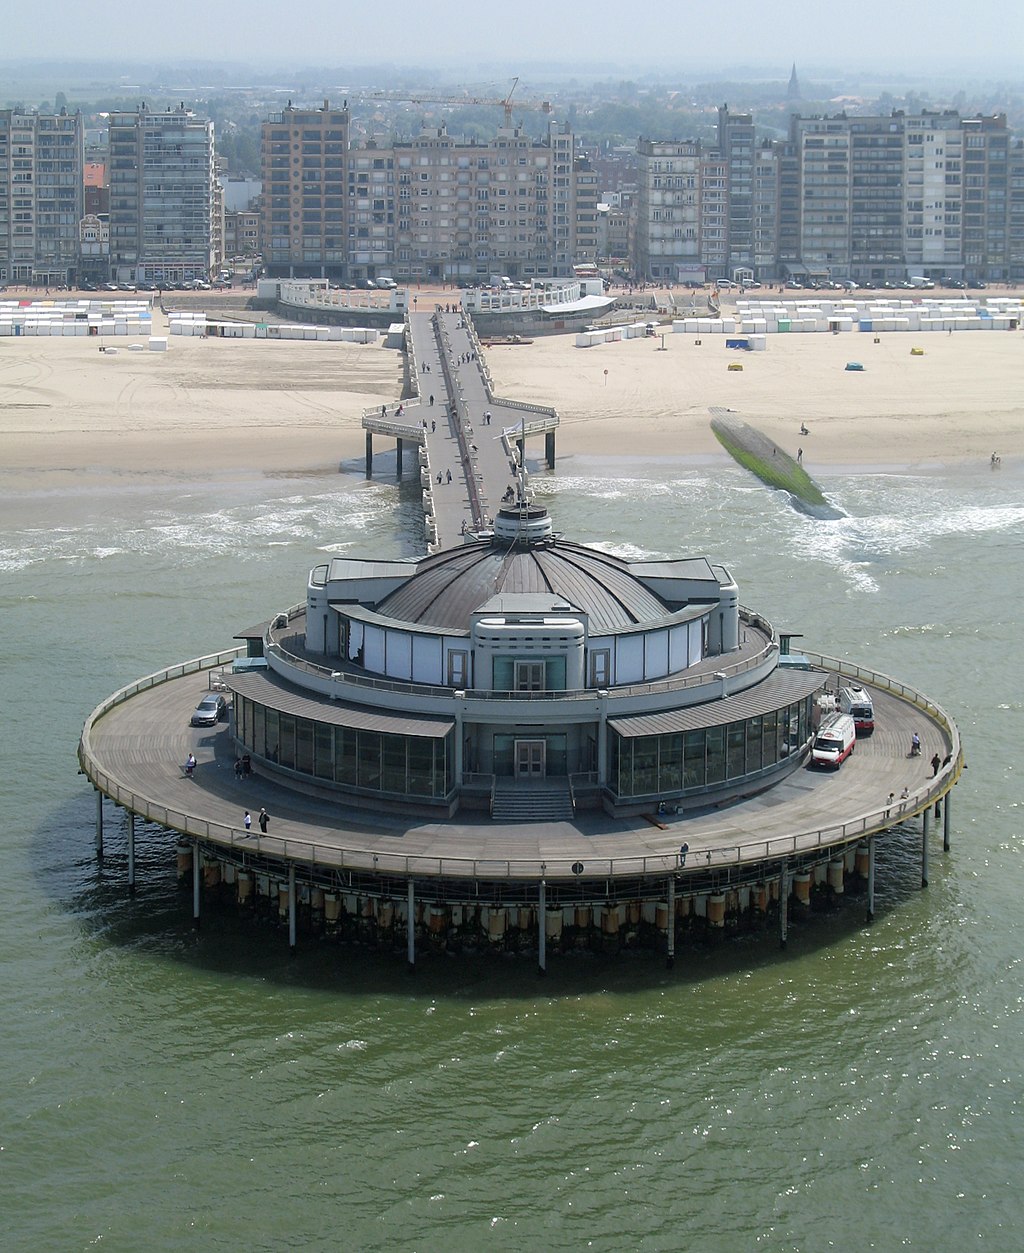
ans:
x=263 y=820
x=936 y=763
x=247 y=821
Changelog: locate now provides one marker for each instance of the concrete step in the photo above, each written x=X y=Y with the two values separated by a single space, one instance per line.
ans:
x=547 y=801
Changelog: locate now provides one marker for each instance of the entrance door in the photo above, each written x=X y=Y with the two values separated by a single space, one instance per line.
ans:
x=530 y=759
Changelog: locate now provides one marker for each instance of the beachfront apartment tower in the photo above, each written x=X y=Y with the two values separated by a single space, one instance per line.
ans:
x=986 y=149
x=669 y=210
x=161 y=195
x=41 y=190
x=932 y=194
x=308 y=190
x=466 y=210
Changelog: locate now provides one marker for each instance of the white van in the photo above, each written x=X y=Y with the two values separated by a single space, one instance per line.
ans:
x=834 y=741
x=856 y=702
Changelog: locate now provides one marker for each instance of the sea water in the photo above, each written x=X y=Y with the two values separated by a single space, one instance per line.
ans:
x=163 y=1089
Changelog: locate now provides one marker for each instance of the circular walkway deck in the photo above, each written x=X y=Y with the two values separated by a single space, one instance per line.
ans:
x=134 y=744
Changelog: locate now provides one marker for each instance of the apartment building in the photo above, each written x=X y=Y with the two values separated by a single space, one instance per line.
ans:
x=986 y=152
x=41 y=194
x=932 y=187
x=305 y=198
x=466 y=210
x=670 y=209
x=872 y=198
x=736 y=145
x=162 y=195
x=432 y=207
x=241 y=232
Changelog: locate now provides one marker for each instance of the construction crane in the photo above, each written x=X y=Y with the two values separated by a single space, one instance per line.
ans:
x=504 y=103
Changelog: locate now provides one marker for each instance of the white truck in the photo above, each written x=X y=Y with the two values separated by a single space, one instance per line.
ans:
x=856 y=702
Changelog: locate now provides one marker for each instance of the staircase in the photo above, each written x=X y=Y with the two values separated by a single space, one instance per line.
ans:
x=547 y=800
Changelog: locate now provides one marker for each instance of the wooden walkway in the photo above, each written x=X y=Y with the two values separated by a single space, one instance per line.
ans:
x=138 y=748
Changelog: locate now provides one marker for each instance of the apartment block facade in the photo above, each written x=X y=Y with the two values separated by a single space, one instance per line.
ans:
x=871 y=198
x=41 y=196
x=162 y=195
x=670 y=209
x=433 y=207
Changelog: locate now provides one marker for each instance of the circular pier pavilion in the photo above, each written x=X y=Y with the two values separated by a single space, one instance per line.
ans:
x=523 y=743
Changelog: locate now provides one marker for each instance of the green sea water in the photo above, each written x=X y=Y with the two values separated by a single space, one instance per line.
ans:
x=164 y=1089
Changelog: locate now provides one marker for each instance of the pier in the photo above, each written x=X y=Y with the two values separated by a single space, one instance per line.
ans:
x=515 y=742
x=471 y=444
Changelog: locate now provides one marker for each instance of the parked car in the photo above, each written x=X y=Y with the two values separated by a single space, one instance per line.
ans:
x=210 y=710
x=366 y=284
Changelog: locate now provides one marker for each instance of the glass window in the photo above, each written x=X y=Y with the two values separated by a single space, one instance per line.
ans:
x=671 y=763
x=715 y=754
x=393 y=775
x=304 y=745
x=286 y=743
x=736 y=750
x=769 y=743
x=273 y=735
x=421 y=767
x=369 y=759
x=345 y=761
x=324 y=747
x=645 y=765
x=693 y=759
x=753 y=745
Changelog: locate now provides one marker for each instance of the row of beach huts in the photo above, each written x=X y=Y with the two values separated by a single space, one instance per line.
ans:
x=186 y=323
x=75 y=318
x=757 y=318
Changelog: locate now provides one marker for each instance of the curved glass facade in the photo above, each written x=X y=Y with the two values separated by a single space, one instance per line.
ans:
x=685 y=761
x=373 y=761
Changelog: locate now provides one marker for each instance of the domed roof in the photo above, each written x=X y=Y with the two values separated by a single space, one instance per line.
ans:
x=451 y=585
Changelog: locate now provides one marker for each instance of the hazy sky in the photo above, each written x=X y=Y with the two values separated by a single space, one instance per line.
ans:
x=983 y=38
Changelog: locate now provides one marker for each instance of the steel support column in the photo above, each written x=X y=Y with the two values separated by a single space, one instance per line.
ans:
x=131 y=854
x=197 y=872
x=542 y=928
x=871 y=878
x=410 y=932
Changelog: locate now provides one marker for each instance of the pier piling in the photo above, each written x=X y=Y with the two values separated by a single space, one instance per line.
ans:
x=926 y=830
x=670 y=959
x=542 y=928
x=945 y=825
x=871 y=878
x=196 y=883
x=99 y=823
x=783 y=904
x=410 y=935
x=291 y=908
x=131 y=853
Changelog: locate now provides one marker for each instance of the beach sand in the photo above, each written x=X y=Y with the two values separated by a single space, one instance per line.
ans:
x=213 y=407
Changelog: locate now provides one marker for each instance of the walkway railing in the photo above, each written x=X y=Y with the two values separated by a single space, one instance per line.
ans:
x=406 y=687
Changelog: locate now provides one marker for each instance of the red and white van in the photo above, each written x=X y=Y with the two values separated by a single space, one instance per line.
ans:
x=834 y=741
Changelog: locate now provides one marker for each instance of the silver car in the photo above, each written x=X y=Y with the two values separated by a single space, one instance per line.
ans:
x=210 y=710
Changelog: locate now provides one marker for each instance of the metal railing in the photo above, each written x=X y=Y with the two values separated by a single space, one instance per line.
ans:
x=658 y=686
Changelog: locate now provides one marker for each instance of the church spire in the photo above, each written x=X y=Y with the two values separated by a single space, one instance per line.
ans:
x=793 y=90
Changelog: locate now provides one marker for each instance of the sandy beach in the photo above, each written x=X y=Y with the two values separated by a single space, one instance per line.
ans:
x=211 y=407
